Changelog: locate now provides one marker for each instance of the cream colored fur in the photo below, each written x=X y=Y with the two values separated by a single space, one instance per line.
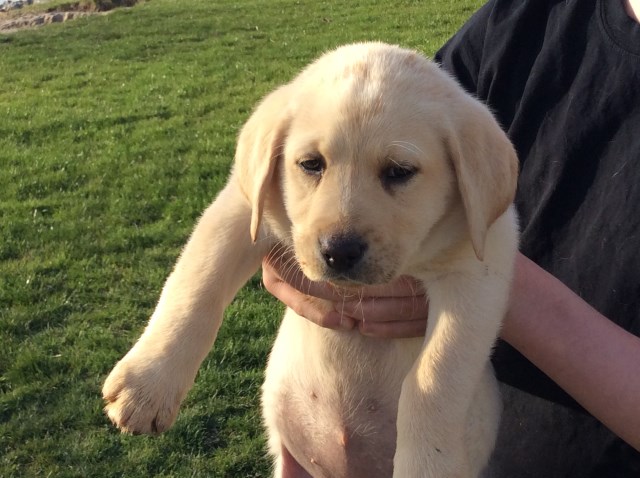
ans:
x=337 y=404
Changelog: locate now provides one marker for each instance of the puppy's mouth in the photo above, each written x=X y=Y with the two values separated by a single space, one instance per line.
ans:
x=348 y=282
x=366 y=275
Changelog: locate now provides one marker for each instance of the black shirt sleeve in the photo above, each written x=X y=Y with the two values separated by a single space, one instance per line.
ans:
x=461 y=56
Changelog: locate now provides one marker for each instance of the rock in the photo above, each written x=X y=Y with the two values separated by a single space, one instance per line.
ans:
x=10 y=23
x=33 y=20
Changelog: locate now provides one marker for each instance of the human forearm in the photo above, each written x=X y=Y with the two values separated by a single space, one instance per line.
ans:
x=589 y=356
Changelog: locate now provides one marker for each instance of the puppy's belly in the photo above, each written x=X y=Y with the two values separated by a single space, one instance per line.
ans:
x=331 y=398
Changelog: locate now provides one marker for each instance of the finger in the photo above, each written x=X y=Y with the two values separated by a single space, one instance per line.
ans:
x=386 y=309
x=321 y=312
x=393 y=330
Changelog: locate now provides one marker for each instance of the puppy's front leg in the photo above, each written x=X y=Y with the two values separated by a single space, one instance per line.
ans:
x=434 y=409
x=144 y=390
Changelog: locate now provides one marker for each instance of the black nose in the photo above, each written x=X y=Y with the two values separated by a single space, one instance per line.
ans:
x=342 y=252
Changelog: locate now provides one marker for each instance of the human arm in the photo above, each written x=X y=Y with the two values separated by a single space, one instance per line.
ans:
x=587 y=355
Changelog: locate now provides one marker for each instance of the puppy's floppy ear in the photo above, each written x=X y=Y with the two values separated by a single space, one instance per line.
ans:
x=260 y=145
x=486 y=167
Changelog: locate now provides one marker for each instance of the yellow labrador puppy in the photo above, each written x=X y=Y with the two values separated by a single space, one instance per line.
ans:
x=371 y=164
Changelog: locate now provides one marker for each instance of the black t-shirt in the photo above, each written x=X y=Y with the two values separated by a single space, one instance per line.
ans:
x=563 y=79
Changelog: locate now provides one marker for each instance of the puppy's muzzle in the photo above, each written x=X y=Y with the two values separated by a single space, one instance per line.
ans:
x=342 y=252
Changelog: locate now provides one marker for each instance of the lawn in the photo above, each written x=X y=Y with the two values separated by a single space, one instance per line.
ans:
x=115 y=132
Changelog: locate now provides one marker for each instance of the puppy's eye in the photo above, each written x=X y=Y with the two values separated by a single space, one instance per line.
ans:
x=397 y=174
x=314 y=165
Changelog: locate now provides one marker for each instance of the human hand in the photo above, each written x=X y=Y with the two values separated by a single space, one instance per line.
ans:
x=395 y=310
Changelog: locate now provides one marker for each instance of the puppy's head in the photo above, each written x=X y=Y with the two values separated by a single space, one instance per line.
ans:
x=376 y=152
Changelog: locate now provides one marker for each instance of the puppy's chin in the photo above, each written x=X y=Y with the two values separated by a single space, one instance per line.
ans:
x=346 y=283
x=356 y=279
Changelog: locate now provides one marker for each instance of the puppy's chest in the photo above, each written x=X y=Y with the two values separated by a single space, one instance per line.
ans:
x=338 y=396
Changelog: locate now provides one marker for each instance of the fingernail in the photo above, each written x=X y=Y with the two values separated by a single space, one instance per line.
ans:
x=346 y=324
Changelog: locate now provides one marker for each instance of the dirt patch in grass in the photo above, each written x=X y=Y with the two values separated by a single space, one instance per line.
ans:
x=56 y=12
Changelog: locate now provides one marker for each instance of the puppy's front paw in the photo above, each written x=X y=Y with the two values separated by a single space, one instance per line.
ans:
x=141 y=395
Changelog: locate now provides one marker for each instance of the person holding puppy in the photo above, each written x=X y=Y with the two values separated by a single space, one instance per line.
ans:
x=561 y=78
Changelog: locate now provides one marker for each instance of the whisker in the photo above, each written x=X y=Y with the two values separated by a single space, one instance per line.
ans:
x=407 y=146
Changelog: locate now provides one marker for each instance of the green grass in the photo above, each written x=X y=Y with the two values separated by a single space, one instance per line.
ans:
x=115 y=133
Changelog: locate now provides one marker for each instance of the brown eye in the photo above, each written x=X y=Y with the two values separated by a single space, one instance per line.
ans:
x=397 y=174
x=313 y=165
